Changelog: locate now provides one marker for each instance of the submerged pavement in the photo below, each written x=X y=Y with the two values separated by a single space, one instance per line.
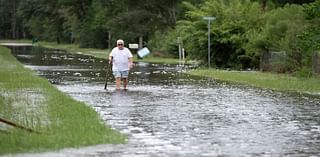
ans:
x=168 y=113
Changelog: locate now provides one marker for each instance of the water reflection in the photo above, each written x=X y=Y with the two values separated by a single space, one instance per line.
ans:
x=168 y=113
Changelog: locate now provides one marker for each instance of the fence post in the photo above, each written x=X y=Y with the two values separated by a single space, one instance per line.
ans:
x=316 y=62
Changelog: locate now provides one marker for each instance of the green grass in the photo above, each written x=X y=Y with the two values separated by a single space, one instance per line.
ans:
x=16 y=41
x=73 y=48
x=153 y=59
x=280 y=82
x=33 y=102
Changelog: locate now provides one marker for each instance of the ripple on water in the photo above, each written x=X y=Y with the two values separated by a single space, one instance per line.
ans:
x=219 y=120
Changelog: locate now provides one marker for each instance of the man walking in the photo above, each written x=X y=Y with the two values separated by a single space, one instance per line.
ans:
x=121 y=59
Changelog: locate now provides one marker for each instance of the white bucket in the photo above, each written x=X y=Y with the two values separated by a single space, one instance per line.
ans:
x=143 y=52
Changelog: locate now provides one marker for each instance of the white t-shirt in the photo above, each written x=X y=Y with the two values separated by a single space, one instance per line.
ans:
x=120 y=59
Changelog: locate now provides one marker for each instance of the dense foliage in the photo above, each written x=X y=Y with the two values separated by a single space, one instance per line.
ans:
x=243 y=30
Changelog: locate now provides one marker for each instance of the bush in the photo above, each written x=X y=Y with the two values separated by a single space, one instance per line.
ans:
x=304 y=72
x=165 y=43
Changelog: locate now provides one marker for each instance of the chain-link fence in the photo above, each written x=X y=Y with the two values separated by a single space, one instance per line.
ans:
x=277 y=62
x=274 y=61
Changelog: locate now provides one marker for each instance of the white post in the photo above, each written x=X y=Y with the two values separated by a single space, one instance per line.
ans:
x=183 y=55
x=179 y=47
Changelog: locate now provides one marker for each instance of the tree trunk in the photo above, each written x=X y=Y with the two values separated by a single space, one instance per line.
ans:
x=263 y=5
x=140 y=42
x=14 y=19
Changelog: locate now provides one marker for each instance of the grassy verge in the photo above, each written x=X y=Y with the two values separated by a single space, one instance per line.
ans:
x=278 y=82
x=33 y=102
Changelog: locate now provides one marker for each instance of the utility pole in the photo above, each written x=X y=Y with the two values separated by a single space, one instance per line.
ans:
x=209 y=19
x=109 y=39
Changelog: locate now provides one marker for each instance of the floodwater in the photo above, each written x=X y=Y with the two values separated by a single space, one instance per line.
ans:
x=167 y=113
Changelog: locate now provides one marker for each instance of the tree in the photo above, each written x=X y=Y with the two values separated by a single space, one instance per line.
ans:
x=42 y=17
x=10 y=25
x=134 y=19
x=310 y=38
x=281 y=32
x=280 y=3
x=228 y=33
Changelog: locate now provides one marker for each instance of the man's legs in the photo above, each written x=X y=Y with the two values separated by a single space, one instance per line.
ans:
x=125 y=83
x=124 y=75
x=118 y=81
x=117 y=76
x=121 y=75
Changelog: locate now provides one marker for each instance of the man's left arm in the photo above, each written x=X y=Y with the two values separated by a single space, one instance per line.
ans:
x=130 y=59
x=130 y=62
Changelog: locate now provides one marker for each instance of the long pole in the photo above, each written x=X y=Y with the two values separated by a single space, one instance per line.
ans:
x=209 y=55
x=15 y=125
x=107 y=72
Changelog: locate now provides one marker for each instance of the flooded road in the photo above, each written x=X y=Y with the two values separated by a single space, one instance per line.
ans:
x=168 y=113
